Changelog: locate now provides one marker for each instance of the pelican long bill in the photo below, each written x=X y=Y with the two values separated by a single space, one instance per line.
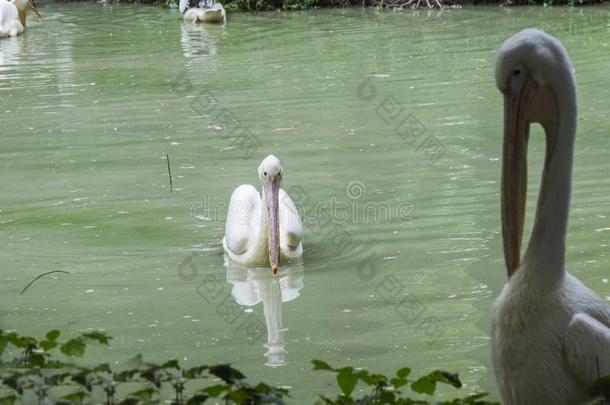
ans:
x=274 y=224
x=514 y=175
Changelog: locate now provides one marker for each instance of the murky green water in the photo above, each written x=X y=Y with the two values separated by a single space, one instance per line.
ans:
x=402 y=256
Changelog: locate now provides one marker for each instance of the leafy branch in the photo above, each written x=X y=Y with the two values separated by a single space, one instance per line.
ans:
x=385 y=390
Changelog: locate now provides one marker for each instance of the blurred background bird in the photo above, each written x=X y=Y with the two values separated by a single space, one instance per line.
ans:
x=13 y=16
x=206 y=11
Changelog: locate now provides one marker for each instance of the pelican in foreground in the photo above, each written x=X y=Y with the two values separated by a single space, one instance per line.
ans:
x=263 y=230
x=205 y=11
x=550 y=333
x=13 y=15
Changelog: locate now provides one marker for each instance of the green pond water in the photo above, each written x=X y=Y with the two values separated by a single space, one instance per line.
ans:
x=402 y=255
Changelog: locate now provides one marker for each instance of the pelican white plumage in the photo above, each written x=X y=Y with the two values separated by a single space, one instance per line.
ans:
x=263 y=231
x=550 y=333
x=206 y=11
x=13 y=16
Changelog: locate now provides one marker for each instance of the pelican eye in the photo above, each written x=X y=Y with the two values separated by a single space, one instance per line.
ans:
x=516 y=72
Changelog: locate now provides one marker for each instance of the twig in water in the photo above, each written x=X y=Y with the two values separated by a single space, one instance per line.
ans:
x=40 y=276
x=169 y=170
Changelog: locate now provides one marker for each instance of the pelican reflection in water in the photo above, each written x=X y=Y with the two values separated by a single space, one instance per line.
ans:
x=254 y=285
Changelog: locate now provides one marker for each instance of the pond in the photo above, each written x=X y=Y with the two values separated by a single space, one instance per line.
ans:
x=389 y=127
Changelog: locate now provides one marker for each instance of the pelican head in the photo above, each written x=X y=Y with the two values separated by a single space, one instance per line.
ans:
x=270 y=172
x=23 y=6
x=534 y=72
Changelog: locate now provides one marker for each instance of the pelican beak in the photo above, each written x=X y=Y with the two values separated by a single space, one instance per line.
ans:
x=34 y=8
x=272 y=191
x=514 y=171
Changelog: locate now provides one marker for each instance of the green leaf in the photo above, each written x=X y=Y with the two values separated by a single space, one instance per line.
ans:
x=83 y=378
x=446 y=378
x=424 y=385
x=398 y=382
x=173 y=363
x=195 y=372
x=152 y=375
x=126 y=375
x=98 y=336
x=215 y=390
x=373 y=379
x=76 y=397
x=347 y=380
x=321 y=365
x=403 y=372
x=197 y=399
x=21 y=342
x=73 y=347
x=9 y=400
x=130 y=401
x=145 y=395
x=53 y=335
x=48 y=345
x=3 y=343
x=102 y=367
x=56 y=364
x=37 y=360
x=226 y=373
x=389 y=397
x=16 y=382
x=57 y=379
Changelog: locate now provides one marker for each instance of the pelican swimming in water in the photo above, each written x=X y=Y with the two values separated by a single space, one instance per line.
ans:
x=205 y=11
x=550 y=333
x=13 y=15
x=267 y=230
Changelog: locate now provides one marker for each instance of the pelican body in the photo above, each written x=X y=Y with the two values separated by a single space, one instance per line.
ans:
x=550 y=333
x=263 y=230
x=205 y=11
x=13 y=16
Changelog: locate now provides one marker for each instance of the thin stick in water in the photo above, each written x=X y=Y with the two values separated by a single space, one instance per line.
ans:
x=169 y=170
x=40 y=276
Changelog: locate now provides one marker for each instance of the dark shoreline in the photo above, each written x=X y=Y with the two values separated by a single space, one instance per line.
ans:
x=254 y=6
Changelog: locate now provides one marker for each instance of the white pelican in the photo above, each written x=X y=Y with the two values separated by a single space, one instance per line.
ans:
x=13 y=14
x=263 y=231
x=205 y=11
x=549 y=331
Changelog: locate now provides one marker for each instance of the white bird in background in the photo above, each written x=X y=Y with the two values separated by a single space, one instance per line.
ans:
x=13 y=15
x=263 y=231
x=206 y=11
x=550 y=333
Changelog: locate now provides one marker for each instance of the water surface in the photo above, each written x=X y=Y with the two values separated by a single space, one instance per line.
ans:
x=402 y=252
